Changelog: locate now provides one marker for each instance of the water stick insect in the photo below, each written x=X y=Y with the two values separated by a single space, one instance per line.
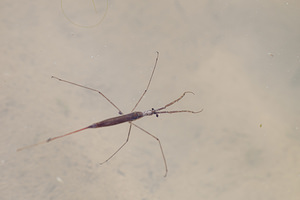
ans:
x=132 y=116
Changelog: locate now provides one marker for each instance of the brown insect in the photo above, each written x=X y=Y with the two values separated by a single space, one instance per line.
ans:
x=134 y=115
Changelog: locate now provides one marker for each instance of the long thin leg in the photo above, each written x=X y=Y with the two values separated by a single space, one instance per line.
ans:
x=119 y=147
x=157 y=111
x=148 y=83
x=178 y=111
x=120 y=112
x=161 y=149
x=176 y=100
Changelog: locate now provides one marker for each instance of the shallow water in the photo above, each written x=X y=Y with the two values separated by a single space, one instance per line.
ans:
x=241 y=59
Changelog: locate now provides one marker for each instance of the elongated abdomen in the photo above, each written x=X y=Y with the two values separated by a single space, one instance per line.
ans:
x=118 y=120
